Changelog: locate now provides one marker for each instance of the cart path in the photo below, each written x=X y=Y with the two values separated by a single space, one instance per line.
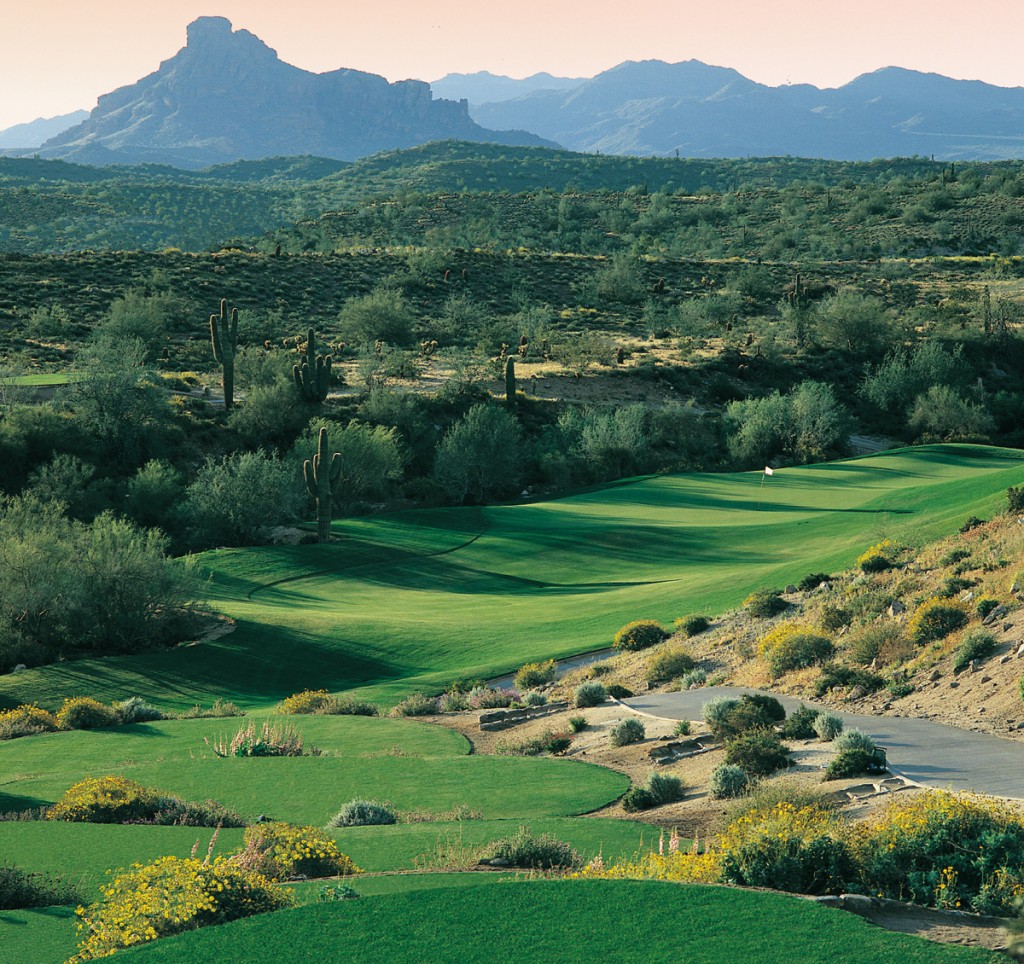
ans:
x=925 y=752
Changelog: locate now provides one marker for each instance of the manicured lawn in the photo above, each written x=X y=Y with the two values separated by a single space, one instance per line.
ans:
x=412 y=600
x=39 y=935
x=561 y=921
x=47 y=380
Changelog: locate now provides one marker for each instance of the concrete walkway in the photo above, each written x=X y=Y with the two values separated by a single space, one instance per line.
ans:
x=929 y=753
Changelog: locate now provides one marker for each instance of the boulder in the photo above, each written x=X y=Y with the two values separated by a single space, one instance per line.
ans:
x=897 y=608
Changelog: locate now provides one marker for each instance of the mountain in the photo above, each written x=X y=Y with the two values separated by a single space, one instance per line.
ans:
x=652 y=107
x=226 y=96
x=34 y=133
x=484 y=87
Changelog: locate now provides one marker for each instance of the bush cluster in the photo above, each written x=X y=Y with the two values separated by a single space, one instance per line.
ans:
x=85 y=713
x=639 y=634
x=489 y=698
x=800 y=724
x=627 y=731
x=19 y=888
x=532 y=851
x=692 y=625
x=765 y=603
x=589 y=694
x=548 y=741
x=26 y=720
x=660 y=788
x=418 y=704
x=533 y=675
x=726 y=717
x=792 y=646
x=934 y=619
x=878 y=557
x=979 y=644
x=668 y=664
x=283 y=851
x=827 y=725
x=727 y=781
x=308 y=701
x=757 y=752
x=269 y=740
x=364 y=813
x=136 y=710
x=694 y=679
x=170 y=896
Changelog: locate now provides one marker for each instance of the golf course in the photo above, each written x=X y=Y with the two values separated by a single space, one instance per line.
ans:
x=410 y=601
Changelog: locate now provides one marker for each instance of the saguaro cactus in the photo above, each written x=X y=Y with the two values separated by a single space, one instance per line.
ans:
x=510 y=381
x=322 y=473
x=313 y=377
x=224 y=336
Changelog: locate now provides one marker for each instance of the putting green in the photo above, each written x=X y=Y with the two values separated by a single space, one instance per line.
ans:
x=410 y=601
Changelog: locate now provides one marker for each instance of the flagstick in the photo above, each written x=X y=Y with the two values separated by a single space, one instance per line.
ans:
x=760 y=492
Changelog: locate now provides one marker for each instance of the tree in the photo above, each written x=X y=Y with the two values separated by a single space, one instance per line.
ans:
x=237 y=499
x=942 y=413
x=382 y=315
x=853 y=322
x=478 y=458
x=819 y=422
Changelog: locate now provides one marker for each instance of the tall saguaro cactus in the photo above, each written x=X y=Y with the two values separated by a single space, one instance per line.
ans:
x=313 y=377
x=322 y=473
x=224 y=337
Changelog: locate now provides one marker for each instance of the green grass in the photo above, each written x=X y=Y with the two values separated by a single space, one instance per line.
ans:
x=557 y=921
x=39 y=935
x=411 y=600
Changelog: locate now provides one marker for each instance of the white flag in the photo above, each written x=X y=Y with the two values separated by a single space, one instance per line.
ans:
x=768 y=470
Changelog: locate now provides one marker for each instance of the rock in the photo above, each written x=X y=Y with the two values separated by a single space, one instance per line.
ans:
x=1007 y=627
x=996 y=613
x=981 y=709
x=1004 y=659
x=986 y=679
x=790 y=589
x=897 y=608
x=967 y=595
x=1020 y=651
x=953 y=684
x=825 y=587
x=858 y=693
x=936 y=675
x=20 y=668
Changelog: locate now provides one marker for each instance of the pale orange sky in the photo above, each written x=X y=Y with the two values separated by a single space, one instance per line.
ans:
x=59 y=55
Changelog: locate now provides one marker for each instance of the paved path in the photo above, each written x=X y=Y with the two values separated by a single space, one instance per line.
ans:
x=925 y=752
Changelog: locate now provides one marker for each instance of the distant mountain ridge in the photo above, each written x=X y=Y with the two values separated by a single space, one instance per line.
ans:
x=652 y=107
x=35 y=133
x=483 y=87
x=226 y=96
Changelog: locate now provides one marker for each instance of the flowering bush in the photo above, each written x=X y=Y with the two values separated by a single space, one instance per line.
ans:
x=533 y=675
x=308 y=701
x=936 y=618
x=639 y=634
x=668 y=664
x=269 y=741
x=878 y=558
x=26 y=720
x=168 y=896
x=85 y=713
x=792 y=646
x=282 y=851
x=946 y=849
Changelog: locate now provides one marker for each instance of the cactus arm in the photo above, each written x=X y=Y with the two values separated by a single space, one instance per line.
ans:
x=335 y=469
x=308 y=475
x=215 y=339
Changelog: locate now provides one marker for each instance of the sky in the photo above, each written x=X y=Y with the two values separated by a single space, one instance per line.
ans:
x=60 y=55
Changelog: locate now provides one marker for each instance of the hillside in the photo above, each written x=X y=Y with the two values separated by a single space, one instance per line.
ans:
x=227 y=96
x=697 y=110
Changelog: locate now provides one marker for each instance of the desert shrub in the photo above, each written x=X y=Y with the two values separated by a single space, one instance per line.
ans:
x=765 y=603
x=588 y=694
x=619 y=692
x=639 y=634
x=267 y=741
x=800 y=724
x=727 y=781
x=331 y=893
x=946 y=849
x=985 y=606
x=85 y=713
x=19 y=888
x=853 y=740
x=836 y=676
x=715 y=713
x=791 y=646
x=954 y=556
x=833 y=618
x=136 y=710
x=812 y=581
x=878 y=557
x=597 y=670
x=105 y=800
x=489 y=698
x=577 y=724
x=660 y=788
x=283 y=851
x=828 y=726
x=26 y=720
x=1015 y=499
x=900 y=686
x=953 y=585
x=768 y=794
x=979 y=644
x=758 y=752
x=453 y=702
x=174 y=812
x=533 y=675
x=750 y=712
x=363 y=813
x=682 y=728
x=692 y=680
x=547 y=741
x=219 y=710
x=308 y=701
x=692 y=625
x=972 y=523
x=934 y=619
x=668 y=664
x=629 y=730
x=882 y=643
x=798 y=850
x=416 y=705
x=534 y=698
x=848 y=763
x=533 y=852
x=169 y=896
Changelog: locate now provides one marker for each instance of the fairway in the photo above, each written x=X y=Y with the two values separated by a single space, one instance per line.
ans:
x=557 y=921
x=410 y=601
